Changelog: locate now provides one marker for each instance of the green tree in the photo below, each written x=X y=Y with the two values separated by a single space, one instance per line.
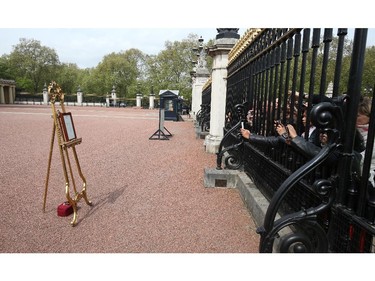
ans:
x=32 y=64
x=5 y=71
x=131 y=71
x=330 y=72
x=67 y=76
x=170 y=69
x=119 y=69
x=368 y=79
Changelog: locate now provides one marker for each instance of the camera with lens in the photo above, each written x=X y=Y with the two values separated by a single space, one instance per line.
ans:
x=277 y=123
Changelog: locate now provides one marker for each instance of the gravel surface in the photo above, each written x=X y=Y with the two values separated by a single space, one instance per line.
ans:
x=148 y=195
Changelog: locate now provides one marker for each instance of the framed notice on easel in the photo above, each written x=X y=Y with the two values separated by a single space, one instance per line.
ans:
x=67 y=126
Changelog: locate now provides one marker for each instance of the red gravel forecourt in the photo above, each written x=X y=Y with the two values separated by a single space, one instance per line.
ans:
x=148 y=195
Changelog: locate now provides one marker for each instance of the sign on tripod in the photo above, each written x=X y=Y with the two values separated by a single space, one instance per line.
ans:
x=162 y=133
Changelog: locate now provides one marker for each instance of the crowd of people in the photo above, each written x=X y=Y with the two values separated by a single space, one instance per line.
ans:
x=311 y=145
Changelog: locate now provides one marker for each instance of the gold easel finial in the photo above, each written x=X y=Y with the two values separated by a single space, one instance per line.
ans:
x=55 y=92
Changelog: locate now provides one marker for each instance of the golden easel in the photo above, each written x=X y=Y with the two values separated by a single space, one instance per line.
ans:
x=64 y=127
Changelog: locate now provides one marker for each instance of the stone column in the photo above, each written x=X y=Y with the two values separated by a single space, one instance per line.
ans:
x=45 y=94
x=2 y=98
x=200 y=80
x=113 y=95
x=79 y=96
x=152 y=100
x=12 y=94
x=225 y=40
x=107 y=100
x=139 y=100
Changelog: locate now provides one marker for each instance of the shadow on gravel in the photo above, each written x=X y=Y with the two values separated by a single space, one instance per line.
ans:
x=109 y=198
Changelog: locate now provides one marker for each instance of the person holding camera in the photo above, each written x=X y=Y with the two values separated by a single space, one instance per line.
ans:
x=363 y=120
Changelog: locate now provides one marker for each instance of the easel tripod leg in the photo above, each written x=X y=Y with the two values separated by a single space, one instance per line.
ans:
x=72 y=203
x=49 y=166
x=84 y=191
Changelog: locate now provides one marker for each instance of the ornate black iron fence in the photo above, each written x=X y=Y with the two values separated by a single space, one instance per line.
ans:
x=325 y=203
x=203 y=116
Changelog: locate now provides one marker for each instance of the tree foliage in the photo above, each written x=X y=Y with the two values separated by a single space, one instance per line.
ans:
x=120 y=70
x=329 y=73
x=31 y=64
x=5 y=71
x=170 y=69
x=368 y=79
x=69 y=77
x=130 y=71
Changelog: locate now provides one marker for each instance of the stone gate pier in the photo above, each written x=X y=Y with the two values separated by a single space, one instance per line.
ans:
x=7 y=91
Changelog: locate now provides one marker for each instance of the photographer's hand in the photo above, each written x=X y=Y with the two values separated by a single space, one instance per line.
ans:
x=245 y=133
x=280 y=129
x=292 y=131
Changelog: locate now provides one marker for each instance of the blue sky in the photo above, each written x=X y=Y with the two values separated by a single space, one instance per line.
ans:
x=87 y=47
x=83 y=32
